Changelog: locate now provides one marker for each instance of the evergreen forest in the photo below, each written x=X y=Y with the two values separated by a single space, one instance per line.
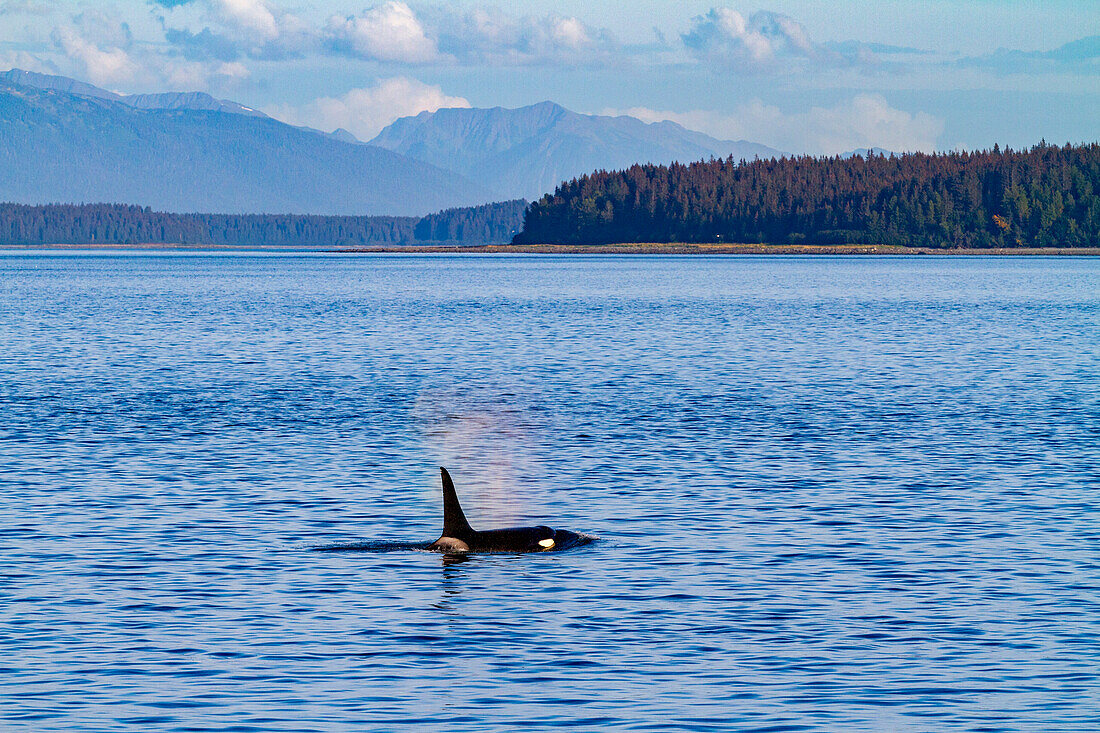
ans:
x=1043 y=197
x=123 y=224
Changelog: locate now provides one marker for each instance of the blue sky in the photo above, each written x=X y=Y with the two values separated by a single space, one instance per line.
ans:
x=810 y=76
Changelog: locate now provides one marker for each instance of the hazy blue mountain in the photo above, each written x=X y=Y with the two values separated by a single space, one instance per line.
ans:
x=59 y=83
x=188 y=100
x=526 y=152
x=160 y=151
x=170 y=100
x=69 y=141
x=345 y=135
x=864 y=152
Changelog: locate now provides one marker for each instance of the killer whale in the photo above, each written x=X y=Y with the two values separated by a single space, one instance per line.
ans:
x=459 y=537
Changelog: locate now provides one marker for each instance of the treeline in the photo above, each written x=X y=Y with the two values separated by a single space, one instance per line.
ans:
x=122 y=224
x=1045 y=196
x=486 y=224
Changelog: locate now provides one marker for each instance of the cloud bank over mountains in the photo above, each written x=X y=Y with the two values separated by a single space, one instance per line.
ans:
x=365 y=111
x=415 y=35
x=391 y=31
x=866 y=121
x=771 y=72
x=760 y=42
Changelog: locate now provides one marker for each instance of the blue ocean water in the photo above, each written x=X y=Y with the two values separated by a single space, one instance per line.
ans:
x=832 y=494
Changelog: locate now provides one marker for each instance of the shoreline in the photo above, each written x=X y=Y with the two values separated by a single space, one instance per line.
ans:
x=662 y=248
x=641 y=248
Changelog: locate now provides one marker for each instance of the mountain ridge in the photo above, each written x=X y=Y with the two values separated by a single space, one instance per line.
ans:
x=248 y=162
x=56 y=146
x=527 y=151
x=165 y=100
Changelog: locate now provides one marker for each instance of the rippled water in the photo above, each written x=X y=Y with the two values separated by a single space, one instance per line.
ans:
x=832 y=494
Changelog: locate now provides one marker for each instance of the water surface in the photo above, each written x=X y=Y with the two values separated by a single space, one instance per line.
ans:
x=832 y=494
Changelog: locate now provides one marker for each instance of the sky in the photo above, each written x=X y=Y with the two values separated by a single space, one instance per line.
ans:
x=811 y=76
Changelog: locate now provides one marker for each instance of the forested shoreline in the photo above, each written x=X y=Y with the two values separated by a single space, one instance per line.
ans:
x=1043 y=197
x=1048 y=196
x=104 y=224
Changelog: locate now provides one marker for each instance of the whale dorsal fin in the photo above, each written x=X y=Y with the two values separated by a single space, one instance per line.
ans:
x=454 y=521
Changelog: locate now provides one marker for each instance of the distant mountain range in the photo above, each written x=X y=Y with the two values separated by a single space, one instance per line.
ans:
x=66 y=141
x=171 y=100
x=64 y=147
x=526 y=152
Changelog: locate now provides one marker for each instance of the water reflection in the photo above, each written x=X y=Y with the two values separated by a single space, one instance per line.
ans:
x=452 y=559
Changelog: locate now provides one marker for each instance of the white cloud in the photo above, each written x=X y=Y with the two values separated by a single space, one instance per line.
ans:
x=180 y=74
x=254 y=17
x=102 y=65
x=569 y=33
x=395 y=32
x=864 y=121
x=106 y=30
x=229 y=29
x=364 y=112
x=389 y=32
x=764 y=41
x=491 y=36
x=102 y=48
x=26 y=61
